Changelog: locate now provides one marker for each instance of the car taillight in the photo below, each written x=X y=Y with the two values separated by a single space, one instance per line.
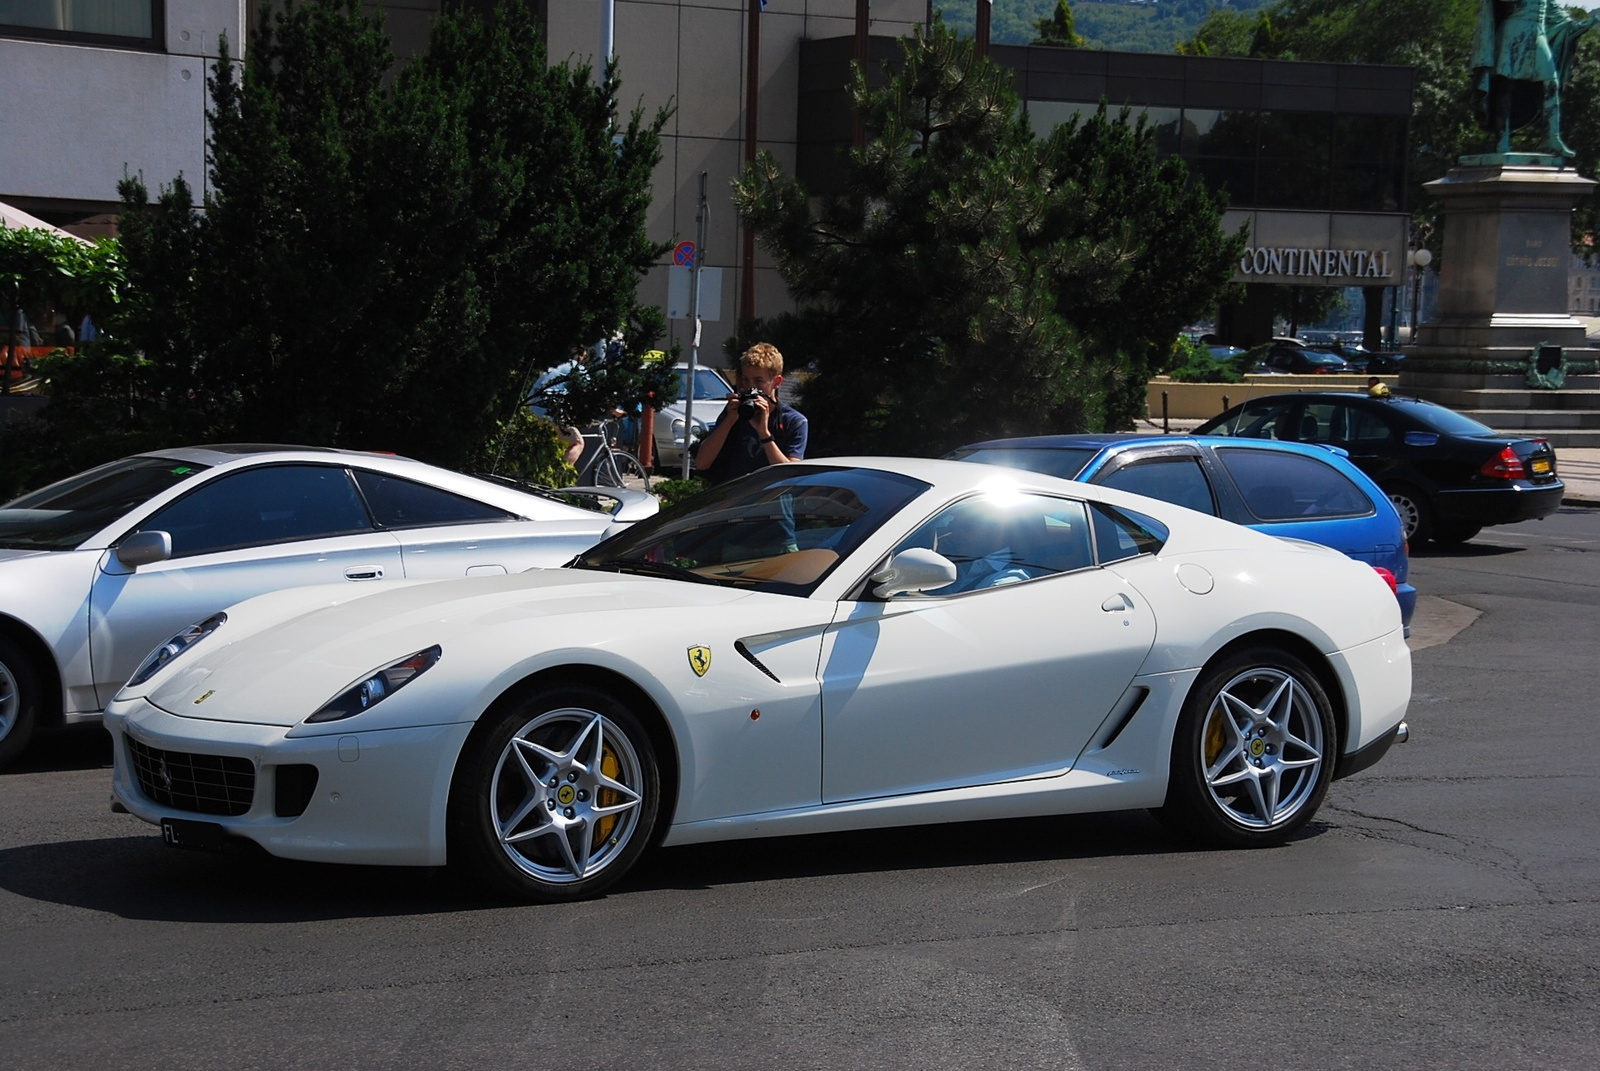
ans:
x=1505 y=465
x=1388 y=578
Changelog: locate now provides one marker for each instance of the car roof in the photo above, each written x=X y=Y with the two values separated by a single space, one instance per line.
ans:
x=526 y=503
x=1106 y=440
x=222 y=453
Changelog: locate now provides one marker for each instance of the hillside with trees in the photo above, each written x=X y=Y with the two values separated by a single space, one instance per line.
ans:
x=1120 y=27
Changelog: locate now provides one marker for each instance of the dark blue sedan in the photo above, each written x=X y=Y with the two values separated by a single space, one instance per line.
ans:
x=1283 y=489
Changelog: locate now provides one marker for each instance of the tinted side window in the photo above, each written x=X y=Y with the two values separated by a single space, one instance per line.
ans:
x=1262 y=420
x=1120 y=534
x=1283 y=487
x=1317 y=423
x=398 y=503
x=1178 y=480
x=1361 y=426
x=276 y=504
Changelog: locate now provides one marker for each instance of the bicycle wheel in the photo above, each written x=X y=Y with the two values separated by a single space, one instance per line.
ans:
x=630 y=469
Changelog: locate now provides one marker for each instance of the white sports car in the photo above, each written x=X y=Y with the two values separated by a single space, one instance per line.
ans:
x=817 y=646
x=99 y=568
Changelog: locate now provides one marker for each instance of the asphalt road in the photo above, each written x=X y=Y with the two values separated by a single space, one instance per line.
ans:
x=1441 y=913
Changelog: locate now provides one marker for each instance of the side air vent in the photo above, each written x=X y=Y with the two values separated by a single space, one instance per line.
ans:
x=738 y=645
x=1119 y=719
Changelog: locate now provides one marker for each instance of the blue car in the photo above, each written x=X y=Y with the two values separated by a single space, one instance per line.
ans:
x=1284 y=489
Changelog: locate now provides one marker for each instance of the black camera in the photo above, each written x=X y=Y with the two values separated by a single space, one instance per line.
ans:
x=747 y=403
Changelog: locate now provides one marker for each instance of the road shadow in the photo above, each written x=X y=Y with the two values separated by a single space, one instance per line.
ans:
x=139 y=877
x=78 y=747
x=1465 y=550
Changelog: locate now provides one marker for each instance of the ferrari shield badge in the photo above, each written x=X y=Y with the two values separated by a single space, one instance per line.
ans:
x=699 y=660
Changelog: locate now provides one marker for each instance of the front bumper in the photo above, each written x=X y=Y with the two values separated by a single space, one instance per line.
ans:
x=381 y=797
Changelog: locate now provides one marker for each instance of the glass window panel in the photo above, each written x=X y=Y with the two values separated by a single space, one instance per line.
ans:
x=398 y=503
x=997 y=540
x=1291 y=184
x=1236 y=177
x=276 y=504
x=1045 y=115
x=1178 y=480
x=1210 y=132
x=98 y=18
x=1121 y=534
x=1283 y=486
x=1305 y=137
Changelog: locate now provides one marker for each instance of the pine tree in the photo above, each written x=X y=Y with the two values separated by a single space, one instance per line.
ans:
x=972 y=281
x=1058 y=30
x=383 y=259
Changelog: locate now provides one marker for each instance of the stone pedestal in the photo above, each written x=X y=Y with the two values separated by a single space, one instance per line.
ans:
x=1502 y=295
x=1503 y=276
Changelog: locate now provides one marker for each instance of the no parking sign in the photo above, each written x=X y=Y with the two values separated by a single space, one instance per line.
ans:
x=683 y=254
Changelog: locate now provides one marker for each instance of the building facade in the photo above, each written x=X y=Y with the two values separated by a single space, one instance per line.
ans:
x=1312 y=156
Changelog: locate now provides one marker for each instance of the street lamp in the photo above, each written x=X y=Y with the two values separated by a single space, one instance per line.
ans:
x=1419 y=260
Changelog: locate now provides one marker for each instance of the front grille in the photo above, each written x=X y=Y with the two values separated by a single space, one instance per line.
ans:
x=203 y=784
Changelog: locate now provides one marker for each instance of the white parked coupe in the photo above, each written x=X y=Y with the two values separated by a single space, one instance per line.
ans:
x=99 y=568
x=818 y=646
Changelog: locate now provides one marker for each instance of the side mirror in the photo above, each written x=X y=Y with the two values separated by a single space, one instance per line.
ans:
x=917 y=569
x=144 y=548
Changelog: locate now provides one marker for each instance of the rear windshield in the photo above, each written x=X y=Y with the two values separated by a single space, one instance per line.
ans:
x=1064 y=462
x=1440 y=419
x=63 y=515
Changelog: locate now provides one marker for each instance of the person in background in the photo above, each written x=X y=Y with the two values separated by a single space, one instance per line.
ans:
x=755 y=429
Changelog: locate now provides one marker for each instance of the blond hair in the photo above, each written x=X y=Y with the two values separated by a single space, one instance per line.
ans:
x=763 y=355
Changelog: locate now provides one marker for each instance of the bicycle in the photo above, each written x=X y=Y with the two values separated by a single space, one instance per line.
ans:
x=604 y=464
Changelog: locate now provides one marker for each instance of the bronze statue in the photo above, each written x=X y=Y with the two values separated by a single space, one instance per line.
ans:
x=1521 y=58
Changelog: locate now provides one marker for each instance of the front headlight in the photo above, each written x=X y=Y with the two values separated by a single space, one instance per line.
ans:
x=163 y=656
x=374 y=688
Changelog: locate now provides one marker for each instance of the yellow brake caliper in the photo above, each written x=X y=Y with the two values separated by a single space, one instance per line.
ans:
x=606 y=797
x=1215 y=739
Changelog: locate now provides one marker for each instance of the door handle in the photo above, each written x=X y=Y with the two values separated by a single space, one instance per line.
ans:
x=1117 y=604
x=364 y=572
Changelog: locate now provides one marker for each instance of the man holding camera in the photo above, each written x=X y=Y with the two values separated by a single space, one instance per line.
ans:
x=755 y=429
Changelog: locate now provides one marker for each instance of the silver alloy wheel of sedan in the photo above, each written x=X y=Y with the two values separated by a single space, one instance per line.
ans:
x=566 y=795
x=1262 y=747
x=1413 y=513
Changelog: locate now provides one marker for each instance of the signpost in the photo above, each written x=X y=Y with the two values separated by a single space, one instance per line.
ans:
x=699 y=245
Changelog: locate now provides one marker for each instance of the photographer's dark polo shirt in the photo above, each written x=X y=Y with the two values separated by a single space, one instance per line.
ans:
x=742 y=454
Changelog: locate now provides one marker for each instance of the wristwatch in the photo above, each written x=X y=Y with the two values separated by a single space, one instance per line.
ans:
x=765 y=441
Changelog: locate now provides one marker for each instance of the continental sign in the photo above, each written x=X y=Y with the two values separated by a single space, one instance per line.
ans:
x=1317 y=263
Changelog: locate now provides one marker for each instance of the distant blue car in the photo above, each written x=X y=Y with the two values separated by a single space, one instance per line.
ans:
x=1281 y=488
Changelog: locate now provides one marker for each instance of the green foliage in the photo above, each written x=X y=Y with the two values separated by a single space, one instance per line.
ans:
x=526 y=447
x=385 y=260
x=671 y=492
x=1193 y=363
x=1122 y=27
x=973 y=282
x=1057 y=31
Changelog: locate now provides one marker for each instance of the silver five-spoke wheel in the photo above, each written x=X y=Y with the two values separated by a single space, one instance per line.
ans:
x=556 y=793
x=1253 y=752
x=566 y=795
x=1262 y=747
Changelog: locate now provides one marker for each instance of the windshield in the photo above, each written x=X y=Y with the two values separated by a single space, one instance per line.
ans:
x=707 y=384
x=1064 y=462
x=63 y=515
x=780 y=529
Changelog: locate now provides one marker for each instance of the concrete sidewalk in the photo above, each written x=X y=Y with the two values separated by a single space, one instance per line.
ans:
x=1579 y=469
